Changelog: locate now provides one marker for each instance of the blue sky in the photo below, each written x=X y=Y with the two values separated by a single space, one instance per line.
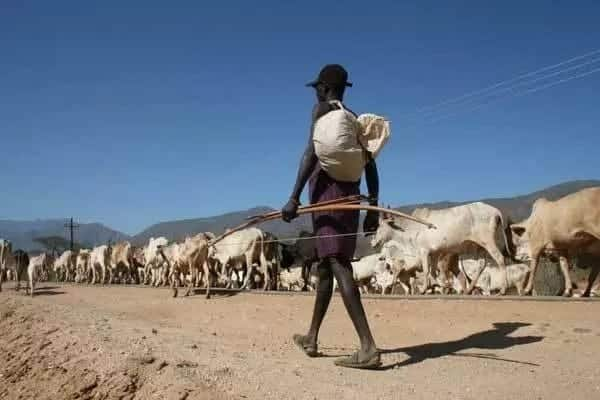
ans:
x=134 y=112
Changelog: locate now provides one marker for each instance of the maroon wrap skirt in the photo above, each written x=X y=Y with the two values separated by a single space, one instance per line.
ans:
x=322 y=188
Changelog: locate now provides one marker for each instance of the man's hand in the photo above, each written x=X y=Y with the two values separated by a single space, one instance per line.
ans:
x=371 y=222
x=290 y=210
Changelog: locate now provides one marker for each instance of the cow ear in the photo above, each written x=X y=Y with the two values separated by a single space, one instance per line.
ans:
x=517 y=229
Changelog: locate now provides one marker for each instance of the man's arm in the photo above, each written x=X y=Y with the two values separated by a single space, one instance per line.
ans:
x=372 y=181
x=307 y=165
x=371 y=222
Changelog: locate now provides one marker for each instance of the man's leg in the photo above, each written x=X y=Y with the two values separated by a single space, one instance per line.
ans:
x=342 y=269
x=322 y=299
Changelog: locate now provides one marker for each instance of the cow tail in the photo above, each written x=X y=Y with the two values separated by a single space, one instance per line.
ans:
x=263 y=258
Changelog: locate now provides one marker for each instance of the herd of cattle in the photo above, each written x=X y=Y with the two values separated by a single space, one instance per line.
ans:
x=473 y=248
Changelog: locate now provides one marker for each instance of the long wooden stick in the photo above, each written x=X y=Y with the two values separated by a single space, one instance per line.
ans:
x=320 y=208
x=277 y=214
x=371 y=208
x=342 y=200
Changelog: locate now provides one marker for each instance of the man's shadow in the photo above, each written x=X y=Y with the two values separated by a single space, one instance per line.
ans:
x=493 y=339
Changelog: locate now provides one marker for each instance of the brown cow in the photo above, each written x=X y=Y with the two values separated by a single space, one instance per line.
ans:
x=561 y=228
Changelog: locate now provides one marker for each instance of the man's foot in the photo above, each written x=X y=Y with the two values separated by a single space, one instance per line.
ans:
x=306 y=345
x=360 y=360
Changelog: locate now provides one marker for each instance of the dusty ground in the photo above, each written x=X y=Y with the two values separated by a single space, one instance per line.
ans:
x=118 y=342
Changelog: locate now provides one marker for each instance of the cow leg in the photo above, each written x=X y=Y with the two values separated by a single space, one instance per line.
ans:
x=535 y=260
x=426 y=273
x=475 y=279
x=591 y=279
x=31 y=280
x=193 y=278
x=395 y=278
x=492 y=249
x=103 y=268
x=519 y=285
x=174 y=280
x=249 y=270
x=564 y=266
x=405 y=287
x=93 y=268
x=266 y=270
x=208 y=279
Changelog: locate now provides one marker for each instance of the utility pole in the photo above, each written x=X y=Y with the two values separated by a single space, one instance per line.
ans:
x=71 y=227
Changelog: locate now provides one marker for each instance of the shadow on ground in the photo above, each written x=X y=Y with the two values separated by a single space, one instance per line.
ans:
x=43 y=292
x=492 y=339
x=215 y=294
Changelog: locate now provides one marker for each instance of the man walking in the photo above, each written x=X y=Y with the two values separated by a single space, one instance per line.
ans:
x=335 y=252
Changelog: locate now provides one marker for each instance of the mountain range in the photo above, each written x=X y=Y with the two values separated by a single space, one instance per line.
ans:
x=23 y=233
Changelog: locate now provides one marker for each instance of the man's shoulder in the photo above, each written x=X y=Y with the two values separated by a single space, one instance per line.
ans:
x=320 y=109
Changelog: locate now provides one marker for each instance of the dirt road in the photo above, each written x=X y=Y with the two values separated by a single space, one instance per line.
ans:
x=132 y=343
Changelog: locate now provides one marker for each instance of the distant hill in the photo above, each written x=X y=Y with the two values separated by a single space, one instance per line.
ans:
x=22 y=233
x=176 y=230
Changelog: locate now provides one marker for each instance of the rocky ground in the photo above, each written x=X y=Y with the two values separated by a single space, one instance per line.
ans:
x=81 y=342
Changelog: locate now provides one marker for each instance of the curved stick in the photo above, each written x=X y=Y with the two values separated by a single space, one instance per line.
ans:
x=319 y=208
x=338 y=207
x=277 y=214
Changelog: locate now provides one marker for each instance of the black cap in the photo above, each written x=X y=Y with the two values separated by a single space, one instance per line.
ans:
x=332 y=74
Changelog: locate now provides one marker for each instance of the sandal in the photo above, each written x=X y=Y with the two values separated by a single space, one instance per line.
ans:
x=308 y=349
x=352 y=362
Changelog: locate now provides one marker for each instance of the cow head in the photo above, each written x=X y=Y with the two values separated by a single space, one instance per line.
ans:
x=212 y=251
x=519 y=239
x=385 y=232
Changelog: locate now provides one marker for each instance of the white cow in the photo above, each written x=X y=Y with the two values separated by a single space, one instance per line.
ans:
x=384 y=280
x=64 y=266
x=404 y=268
x=456 y=228
x=154 y=270
x=194 y=255
x=169 y=262
x=5 y=253
x=38 y=266
x=490 y=279
x=291 y=278
x=239 y=247
x=189 y=258
x=100 y=259
x=82 y=265
x=364 y=270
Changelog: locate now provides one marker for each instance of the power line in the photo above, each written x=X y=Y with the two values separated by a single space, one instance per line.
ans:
x=538 y=79
x=518 y=94
x=490 y=89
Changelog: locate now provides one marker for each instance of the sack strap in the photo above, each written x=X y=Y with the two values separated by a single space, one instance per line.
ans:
x=338 y=103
